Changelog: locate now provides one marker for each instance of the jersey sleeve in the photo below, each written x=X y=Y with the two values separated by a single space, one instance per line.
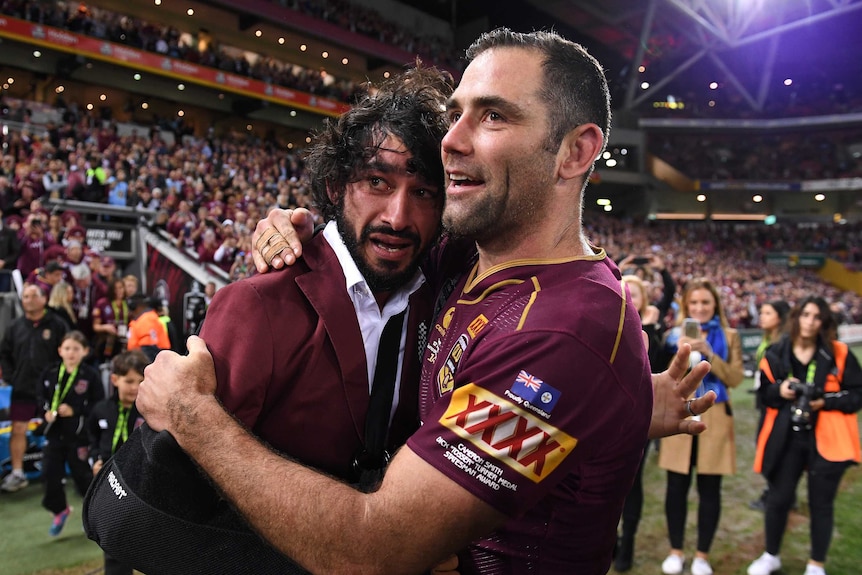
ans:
x=530 y=409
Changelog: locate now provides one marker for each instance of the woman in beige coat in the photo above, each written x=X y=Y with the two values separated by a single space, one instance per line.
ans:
x=713 y=453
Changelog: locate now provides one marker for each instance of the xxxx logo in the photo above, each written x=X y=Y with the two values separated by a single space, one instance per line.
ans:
x=511 y=435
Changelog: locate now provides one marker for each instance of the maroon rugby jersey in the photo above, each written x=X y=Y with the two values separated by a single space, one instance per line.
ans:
x=536 y=397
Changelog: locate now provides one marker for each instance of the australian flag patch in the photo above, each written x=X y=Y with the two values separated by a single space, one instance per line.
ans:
x=535 y=391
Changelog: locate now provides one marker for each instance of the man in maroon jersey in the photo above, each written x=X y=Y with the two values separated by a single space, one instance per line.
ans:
x=535 y=394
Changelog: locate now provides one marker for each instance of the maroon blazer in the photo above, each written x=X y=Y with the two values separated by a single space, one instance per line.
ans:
x=290 y=361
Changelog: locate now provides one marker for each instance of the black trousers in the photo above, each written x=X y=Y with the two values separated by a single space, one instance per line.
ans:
x=822 y=489
x=55 y=455
x=708 y=509
x=633 y=506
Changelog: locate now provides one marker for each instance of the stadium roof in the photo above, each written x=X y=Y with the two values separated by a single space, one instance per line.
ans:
x=749 y=48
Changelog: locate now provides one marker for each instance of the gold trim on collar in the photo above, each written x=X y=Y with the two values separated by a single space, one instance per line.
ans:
x=474 y=278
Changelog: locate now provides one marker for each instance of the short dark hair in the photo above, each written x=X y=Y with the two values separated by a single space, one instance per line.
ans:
x=575 y=87
x=78 y=336
x=409 y=106
x=128 y=361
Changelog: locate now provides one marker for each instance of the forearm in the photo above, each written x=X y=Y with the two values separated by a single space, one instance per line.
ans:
x=326 y=526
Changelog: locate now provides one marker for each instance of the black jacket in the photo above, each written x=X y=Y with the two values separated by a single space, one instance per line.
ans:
x=84 y=393
x=9 y=248
x=27 y=349
x=101 y=426
x=848 y=400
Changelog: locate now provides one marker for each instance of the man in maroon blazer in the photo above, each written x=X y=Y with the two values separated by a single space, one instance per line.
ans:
x=294 y=351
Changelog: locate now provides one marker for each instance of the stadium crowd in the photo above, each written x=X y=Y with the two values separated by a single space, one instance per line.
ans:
x=208 y=194
x=780 y=156
x=196 y=47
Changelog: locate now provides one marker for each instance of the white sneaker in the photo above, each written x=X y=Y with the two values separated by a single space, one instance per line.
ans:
x=764 y=565
x=814 y=570
x=700 y=566
x=672 y=565
x=14 y=482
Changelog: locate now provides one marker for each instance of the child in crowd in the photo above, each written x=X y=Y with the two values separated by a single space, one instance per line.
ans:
x=70 y=390
x=113 y=420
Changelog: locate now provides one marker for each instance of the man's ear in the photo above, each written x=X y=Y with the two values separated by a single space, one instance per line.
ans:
x=333 y=197
x=579 y=150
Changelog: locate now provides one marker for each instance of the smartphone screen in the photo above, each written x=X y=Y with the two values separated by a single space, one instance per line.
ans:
x=691 y=328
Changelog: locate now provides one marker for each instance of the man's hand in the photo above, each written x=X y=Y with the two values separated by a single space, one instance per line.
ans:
x=447 y=567
x=294 y=226
x=672 y=389
x=174 y=385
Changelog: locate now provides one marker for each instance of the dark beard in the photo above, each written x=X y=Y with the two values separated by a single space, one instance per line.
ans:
x=377 y=281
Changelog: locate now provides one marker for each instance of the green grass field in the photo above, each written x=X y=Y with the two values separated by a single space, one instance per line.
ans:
x=26 y=547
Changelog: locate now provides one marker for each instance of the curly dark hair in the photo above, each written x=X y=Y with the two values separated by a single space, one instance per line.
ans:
x=409 y=106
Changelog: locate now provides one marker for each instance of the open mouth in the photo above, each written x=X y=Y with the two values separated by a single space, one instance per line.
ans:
x=462 y=181
x=391 y=247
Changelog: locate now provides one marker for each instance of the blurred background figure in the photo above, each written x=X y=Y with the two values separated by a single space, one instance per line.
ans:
x=60 y=303
x=772 y=319
x=110 y=321
x=30 y=344
x=651 y=322
x=9 y=250
x=713 y=452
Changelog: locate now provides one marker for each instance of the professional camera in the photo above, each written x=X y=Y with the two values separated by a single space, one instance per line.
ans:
x=800 y=412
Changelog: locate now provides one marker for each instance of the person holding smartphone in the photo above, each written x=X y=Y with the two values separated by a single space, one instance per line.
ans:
x=704 y=327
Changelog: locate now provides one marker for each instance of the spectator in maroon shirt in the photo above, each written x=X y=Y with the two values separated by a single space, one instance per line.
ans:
x=33 y=245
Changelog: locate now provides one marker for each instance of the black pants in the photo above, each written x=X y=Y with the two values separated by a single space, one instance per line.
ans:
x=822 y=489
x=633 y=506
x=55 y=455
x=708 y=509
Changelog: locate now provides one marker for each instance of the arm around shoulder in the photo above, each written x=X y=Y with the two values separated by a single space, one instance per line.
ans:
x=417 y=518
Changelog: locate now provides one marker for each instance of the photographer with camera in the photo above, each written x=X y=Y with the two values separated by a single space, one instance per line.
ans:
x=811 y=386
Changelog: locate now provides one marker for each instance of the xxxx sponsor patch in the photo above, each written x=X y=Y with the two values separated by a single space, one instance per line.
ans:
x=508 y=433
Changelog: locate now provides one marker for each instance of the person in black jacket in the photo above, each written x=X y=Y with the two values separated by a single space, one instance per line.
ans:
x=30 y=343
x=113 y=420
x=9 y=250
x=811 y=386
x=69 y=392
x=653 y=327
